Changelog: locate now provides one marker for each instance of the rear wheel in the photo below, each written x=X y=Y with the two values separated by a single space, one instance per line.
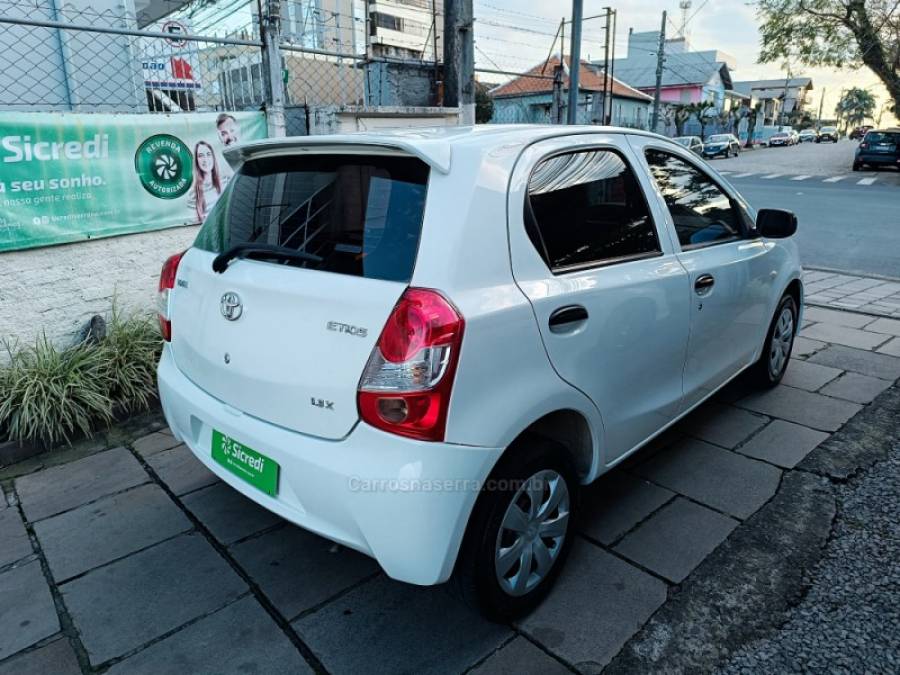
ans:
x=520 y=531
x=769 y=369
x=857 y=166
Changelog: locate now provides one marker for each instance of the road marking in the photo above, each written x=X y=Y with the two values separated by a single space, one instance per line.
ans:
x=773 y=175
x=800 y=177
x=744 y=175
x=834 y=179
x=867 y=181
x=722 y=173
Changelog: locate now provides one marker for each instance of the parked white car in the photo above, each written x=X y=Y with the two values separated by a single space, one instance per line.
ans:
x=420 y=343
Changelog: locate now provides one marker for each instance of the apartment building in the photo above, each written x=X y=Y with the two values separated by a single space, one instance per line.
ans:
x=406 y=29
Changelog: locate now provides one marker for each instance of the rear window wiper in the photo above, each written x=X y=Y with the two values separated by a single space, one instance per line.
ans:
x=220 y=264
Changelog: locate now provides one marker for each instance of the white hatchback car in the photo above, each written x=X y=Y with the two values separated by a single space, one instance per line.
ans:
x=419 y=344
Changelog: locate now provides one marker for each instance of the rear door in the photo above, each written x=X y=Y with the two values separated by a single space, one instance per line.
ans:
x=283 y=339
x=609 y=296
x=730 y=269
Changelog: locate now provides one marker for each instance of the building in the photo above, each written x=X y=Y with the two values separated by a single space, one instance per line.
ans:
x=529 y=98
x=780 y=98
x=688 y=76
x=406 y=29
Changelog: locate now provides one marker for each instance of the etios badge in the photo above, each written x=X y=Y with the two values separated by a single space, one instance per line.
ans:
x=231 y=306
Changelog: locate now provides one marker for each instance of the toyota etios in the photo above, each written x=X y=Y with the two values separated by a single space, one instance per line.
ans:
x=420 y=343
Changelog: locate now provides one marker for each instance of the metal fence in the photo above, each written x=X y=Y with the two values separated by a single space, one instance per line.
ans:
x=213 y=56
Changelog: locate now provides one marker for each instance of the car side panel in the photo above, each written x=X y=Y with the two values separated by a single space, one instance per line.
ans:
x=504 y=380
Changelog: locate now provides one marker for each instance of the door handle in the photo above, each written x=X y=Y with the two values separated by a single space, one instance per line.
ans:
x=704 y=283
x=565 y=318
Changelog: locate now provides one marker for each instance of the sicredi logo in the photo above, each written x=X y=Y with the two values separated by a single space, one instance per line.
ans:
x=24 y=149
x=237 y=453
x=163 y=164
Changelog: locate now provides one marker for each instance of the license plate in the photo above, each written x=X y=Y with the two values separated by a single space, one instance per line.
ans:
x=254 y=467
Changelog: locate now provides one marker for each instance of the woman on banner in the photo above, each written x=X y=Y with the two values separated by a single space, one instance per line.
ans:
x=208 y=183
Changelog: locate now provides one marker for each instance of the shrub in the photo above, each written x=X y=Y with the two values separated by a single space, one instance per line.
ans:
x=51 y=395
x=48 y=395
x=132 y=346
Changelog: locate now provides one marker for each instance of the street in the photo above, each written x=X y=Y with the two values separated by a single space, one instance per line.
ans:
x=848 y=220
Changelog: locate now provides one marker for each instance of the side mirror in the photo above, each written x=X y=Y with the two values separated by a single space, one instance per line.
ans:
x=776 y=223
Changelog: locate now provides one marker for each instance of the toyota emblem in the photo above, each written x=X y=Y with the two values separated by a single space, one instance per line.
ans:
x=231 y=306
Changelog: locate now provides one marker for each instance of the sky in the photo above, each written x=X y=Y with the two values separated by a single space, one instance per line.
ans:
x=516 y=34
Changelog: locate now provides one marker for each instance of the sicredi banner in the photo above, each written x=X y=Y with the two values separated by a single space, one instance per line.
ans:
x=68 y=177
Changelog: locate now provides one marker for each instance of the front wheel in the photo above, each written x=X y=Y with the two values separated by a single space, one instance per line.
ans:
x=520 y=531
x=768 y=371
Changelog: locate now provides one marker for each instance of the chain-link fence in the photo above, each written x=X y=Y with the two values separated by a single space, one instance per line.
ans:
x=208 y=56
x=87 y=59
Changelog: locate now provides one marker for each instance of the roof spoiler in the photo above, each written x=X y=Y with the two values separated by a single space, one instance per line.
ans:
x=434 y=152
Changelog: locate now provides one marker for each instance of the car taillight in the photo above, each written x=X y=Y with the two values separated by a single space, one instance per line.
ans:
x=864 y=145
x=166 y=284
x=405 y=387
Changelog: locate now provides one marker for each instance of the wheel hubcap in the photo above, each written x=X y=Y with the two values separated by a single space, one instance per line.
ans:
x=782 y=339
x=532 y=532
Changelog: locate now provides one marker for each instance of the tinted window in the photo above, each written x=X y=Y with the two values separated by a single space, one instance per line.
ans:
x=702 y=213
x=882 y=137
x=588 y=209
x=361 y=215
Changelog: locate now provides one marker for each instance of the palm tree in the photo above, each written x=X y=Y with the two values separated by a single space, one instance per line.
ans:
x=752 y=117
x=681 y=114
x=701 y=112
x=855 y=106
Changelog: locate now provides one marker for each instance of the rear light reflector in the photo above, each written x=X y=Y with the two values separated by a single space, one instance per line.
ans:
x=405 y=387
x=166 y=284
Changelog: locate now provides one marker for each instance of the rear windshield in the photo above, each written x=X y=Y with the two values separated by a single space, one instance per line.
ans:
x=719 y=138
x=362 y=215
x=883 y=137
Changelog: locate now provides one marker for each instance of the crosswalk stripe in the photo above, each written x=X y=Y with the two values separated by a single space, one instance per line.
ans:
x=834 y=179
x=800 y=177
x=744 y=175
x=773 y=175
x=867 y=181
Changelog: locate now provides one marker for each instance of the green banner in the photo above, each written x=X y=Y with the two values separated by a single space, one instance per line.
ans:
x=68 y=177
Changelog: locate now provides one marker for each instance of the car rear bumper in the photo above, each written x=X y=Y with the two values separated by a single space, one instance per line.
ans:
x=881 y=159
x=403 y=502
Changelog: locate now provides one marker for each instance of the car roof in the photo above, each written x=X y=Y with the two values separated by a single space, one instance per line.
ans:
x=433 y=145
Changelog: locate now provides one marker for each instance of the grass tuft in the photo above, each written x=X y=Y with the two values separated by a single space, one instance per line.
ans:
x=52 y=395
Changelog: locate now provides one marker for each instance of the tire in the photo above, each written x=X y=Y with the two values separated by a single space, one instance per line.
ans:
x=531 y=460
x=768 y=371
x=857 y=166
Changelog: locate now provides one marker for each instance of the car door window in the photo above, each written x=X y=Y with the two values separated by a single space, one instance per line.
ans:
x=585 y=209
x=701 y=211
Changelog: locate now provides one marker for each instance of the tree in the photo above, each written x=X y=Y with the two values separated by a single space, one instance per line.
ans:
x=737 y=116
x=702 y=112
x=836 y=33
x=752 y=118
x=681 y=114
x=855 y=106
x=484 y=104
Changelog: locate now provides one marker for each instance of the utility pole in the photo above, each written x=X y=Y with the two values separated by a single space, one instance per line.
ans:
x=660 y=60
x=459 y=59
x=270 y=25
x=574 y=62
x=605 y=65
x=787 y=82
x=821 y=103
x=612 y=66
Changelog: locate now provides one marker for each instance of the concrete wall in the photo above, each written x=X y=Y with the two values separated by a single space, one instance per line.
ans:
x=57 y=289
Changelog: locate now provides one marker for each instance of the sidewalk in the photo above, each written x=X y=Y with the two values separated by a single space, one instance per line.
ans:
x=872 y=295
x=127 y=556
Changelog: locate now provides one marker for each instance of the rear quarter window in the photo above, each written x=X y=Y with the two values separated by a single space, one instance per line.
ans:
x=362 y=215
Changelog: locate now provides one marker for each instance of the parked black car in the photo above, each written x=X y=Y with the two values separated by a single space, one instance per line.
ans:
x=878 y=148
x=692 y=143
x=829 y=134
x=721 y=145
x=860 y=132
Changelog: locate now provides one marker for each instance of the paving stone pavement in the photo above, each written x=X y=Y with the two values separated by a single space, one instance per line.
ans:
x=137 y=559
x=842 y=291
